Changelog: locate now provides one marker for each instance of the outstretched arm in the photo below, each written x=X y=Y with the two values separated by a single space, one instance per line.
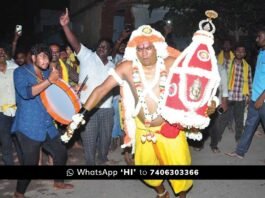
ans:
x=100 y=92
x=64 y=21
x=95 y=97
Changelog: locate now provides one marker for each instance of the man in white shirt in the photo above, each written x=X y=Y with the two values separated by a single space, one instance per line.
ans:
x=95 y=66
x=7 y=105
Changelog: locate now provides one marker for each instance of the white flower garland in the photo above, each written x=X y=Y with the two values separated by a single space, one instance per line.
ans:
x=194 y=136
x=143 y=88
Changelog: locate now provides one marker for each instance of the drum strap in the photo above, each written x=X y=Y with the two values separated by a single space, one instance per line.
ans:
x=37 y=78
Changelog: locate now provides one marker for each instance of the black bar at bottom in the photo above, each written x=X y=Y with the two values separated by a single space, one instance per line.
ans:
x=132 y=172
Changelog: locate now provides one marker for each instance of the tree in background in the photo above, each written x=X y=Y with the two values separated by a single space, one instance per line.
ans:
x=238 y=19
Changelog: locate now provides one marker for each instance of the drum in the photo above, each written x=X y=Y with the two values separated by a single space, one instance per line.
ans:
x=61 y=102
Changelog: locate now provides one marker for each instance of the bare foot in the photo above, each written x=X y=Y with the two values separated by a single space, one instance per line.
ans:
x=18 y=195
x=182 y=194
x=128 y=158
x=234 y=154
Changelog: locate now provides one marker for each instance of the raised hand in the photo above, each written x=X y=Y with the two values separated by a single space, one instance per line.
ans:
x=54 y=75
x=125 y=34
x=64 y=18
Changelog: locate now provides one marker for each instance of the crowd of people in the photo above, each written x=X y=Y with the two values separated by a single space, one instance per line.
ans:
x=26 y=125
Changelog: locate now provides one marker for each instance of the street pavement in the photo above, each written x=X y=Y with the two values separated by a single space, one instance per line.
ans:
x=137 y=189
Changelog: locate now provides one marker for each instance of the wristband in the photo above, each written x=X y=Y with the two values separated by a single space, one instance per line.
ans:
x=84 y=111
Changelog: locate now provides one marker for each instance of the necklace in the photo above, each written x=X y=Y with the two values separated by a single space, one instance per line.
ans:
x=143 y=88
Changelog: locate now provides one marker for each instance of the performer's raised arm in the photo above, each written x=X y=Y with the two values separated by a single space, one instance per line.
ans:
x=99 y=93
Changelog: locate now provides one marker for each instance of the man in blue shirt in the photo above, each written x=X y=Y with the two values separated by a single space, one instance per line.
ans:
x=256 y=108
x=33 y=126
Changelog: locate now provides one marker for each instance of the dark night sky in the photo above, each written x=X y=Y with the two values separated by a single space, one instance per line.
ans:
x=22 y=12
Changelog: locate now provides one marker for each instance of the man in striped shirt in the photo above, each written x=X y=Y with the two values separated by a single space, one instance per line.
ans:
x=256 y=108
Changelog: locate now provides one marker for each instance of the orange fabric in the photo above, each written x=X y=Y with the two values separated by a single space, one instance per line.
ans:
x=173 y=52
x=139 y=39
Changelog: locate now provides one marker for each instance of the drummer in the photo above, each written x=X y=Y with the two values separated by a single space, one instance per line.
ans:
x=33 y=126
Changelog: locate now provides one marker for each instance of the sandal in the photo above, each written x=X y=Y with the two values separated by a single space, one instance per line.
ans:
x=164 y=194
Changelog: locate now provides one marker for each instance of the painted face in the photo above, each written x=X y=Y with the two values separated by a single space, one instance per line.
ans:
x=103 y=50
x=240 y=52
x=41 y=60
x=261 y=39
x=146 y=53
x=55 y=50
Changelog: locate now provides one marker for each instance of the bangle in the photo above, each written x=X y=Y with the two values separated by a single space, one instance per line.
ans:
x=49 y=81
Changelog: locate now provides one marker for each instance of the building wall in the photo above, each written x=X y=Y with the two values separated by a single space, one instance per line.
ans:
x=142 y=16
x=48 y=27
x=86 y=20
x=93 y=19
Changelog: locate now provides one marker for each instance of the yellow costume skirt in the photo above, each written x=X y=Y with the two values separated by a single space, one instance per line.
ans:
x=166 y=151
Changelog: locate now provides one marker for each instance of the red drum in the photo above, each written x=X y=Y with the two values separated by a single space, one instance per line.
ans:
x=61 y=102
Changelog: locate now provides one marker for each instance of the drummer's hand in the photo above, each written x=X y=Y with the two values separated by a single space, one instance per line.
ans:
x=54 y=75
x=211 y=108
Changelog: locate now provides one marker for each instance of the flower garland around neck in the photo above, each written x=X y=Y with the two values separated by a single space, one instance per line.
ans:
x=143 y=88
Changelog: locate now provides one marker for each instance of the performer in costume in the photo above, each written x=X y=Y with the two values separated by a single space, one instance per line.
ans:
x=142 y=76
